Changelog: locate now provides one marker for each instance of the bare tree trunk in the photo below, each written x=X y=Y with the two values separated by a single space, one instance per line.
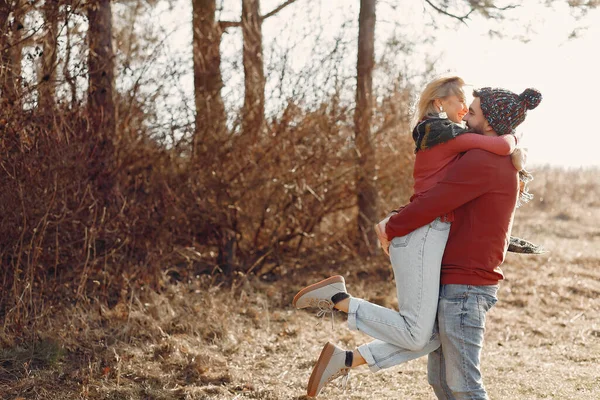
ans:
x=10 y=51
x=4 y=52
x=47 y=79
x=210 y=111
x=16 y=51
x=67 y=61
x=101 y=104
x=366 y=173
x=254 y=81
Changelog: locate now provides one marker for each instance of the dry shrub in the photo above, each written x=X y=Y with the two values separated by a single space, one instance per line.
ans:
x=557 y=189
x=394 y=149
x=239 y=205
x=17 y=361
x=68 y=233
x=291 y=193
x=183 y=336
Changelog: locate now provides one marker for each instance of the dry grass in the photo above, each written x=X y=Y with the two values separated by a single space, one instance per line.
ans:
x=198 y=340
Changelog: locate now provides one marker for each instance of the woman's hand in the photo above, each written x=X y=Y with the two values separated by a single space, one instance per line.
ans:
x=519 y=158
x=381 y=235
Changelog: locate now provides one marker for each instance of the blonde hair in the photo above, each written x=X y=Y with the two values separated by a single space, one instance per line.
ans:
x=437 y=89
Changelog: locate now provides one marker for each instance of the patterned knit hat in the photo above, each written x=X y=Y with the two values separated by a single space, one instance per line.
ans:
x=505 y=110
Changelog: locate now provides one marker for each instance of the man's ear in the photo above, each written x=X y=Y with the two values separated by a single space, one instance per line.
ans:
x=487 y=128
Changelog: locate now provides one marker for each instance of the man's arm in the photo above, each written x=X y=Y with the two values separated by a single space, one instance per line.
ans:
x=467 y=179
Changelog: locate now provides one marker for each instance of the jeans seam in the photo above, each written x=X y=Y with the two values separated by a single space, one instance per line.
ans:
x=382 y=322
x=421 y=267
x=445 y=386
x=382 y=359
x=352 y=317
x=443 y=378
x=463 y=344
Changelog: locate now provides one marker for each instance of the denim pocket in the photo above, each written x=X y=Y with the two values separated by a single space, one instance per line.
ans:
x=468 y=303
x=474 y=312
x=484 y=304
x=401 y=241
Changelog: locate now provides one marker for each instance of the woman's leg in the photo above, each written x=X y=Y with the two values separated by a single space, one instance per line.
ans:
x=416 y=260
x=335 y=362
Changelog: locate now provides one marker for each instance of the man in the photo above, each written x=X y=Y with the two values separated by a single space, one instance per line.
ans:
x=481 y=188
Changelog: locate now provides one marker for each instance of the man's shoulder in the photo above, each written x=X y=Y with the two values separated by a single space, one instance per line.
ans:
x=487 y=163
x=483 y=154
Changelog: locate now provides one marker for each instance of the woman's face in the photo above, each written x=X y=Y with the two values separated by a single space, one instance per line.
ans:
x=455 y=107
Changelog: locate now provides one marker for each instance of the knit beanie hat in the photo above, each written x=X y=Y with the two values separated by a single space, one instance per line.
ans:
x=505 y=110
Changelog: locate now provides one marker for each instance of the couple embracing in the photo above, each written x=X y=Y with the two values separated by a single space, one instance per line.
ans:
x=446 y=246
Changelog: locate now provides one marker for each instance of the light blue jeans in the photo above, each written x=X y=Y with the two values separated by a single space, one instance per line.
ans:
x=453 y=370
x=407 y=333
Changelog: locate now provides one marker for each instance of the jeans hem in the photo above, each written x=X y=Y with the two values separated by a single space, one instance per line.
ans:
x=365 y=352
x=352 y=310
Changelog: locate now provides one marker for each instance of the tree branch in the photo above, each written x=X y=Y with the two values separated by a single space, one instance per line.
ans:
x=277 y=9
x=229 y=24
x=235 y=24
x=441 y=11
x=509 y=7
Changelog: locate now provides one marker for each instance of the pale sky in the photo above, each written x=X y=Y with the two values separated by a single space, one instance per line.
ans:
x=558 y=132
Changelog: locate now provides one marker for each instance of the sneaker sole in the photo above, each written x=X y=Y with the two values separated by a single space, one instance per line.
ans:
x=325 y=282
x=317 y=372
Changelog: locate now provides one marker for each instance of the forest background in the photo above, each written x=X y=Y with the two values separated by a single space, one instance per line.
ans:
x=166 y=163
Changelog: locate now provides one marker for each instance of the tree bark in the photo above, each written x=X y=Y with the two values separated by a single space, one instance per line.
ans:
x=101 y=104
x=254 y=75
x=10 y=53
x=47 y=79
x=4 y=52
x=16 y=51
x=368 y=197
x=210 y=111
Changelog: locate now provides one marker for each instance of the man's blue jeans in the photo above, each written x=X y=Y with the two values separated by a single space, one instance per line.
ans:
x=453 y=369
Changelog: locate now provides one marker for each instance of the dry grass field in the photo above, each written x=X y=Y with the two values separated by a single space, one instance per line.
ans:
x=199 y=340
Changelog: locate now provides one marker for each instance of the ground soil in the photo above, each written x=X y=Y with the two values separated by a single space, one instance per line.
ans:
x=201 y=340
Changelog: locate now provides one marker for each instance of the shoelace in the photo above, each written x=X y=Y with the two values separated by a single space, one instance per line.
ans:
x=344 y=373
x=325 y=307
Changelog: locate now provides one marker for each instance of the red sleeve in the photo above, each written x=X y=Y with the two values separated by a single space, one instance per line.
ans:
x=501 y=145
x=468 y=178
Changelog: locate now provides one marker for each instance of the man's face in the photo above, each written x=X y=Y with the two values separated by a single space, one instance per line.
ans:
x=476 y=121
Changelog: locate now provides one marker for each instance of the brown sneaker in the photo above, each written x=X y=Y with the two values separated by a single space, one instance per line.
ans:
x=331 y=365
x=319 y=294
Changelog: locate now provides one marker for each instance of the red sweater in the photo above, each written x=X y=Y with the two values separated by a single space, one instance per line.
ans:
x=482 y=190
x=431 y=165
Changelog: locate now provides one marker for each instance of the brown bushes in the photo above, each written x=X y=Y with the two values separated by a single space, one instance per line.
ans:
x=71 y=234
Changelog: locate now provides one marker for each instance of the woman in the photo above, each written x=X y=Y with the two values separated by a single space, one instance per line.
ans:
x=439 y=140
